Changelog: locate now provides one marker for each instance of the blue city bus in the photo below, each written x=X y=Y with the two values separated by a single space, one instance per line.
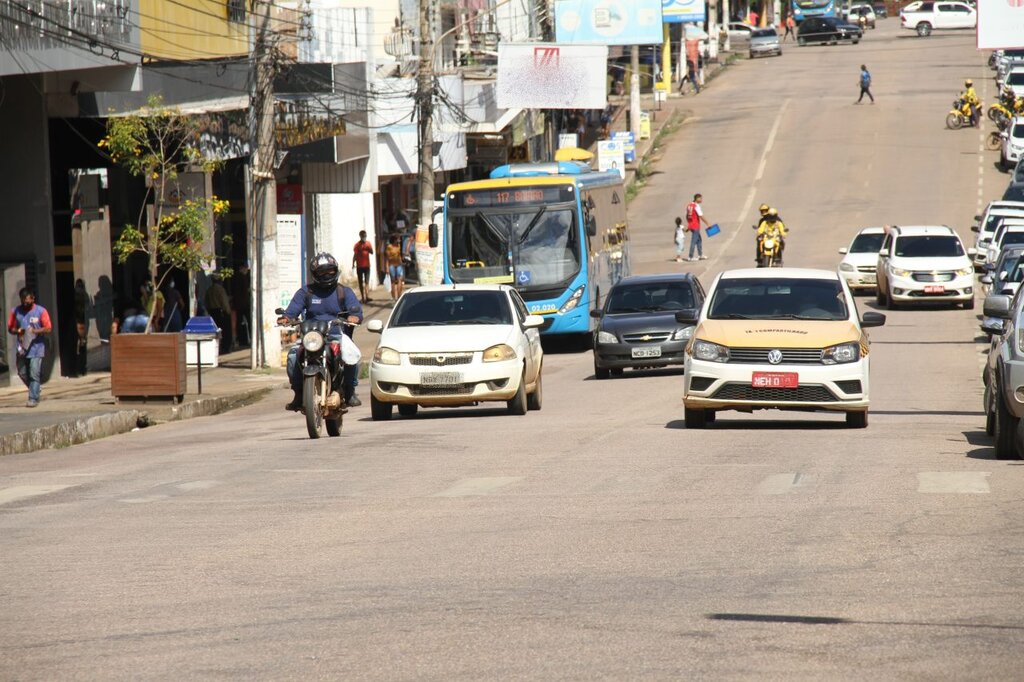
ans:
x=803 y=9
x=555 y=231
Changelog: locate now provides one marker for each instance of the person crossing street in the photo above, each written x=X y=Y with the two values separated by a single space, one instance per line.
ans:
x=694 y=216
x=865 y=85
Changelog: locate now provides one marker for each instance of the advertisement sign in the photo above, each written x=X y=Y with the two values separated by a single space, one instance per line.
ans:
x=290 y=258
x=610 y=156
x=682 y=11
x=1000 y=24
x=608 y=22
x=550 y=76
x=628 y=144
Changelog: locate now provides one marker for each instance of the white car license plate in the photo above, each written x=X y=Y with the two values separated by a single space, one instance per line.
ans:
x=440 y=378
x=935 y=289
x=869 y=279
x=647 y=352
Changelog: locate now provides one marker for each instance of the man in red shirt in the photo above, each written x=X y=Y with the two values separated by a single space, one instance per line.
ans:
x=694 y=216
x=361 y=262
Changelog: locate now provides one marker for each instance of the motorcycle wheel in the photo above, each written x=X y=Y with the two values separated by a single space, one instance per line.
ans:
x=954 y=121
x=992 y=112
x=311 y=405
x=993 y=141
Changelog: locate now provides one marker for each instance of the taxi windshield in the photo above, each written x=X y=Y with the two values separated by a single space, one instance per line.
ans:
x=778 y=298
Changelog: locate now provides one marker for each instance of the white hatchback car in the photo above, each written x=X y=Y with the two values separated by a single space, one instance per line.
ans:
x=988 y=222
x=780 y=338
x=1010 y=232
x=446 y=346
x=924 y=264
x=1013 y=143
x=860 y=259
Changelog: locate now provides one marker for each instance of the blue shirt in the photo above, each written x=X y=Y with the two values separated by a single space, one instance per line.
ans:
x=324 y=304
x=30 y=320
x=865 y=78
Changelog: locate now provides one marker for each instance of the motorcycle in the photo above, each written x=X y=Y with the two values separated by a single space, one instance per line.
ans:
x=960 y=116
x=323 y=369
x=770 y=250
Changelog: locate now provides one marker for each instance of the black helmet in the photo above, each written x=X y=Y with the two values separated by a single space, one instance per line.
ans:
x=323 y=268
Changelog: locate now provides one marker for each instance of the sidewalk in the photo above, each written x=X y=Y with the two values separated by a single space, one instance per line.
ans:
x=77 y=410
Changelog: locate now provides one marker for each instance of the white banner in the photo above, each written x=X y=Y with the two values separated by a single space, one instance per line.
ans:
x=290 y=260
x=1000 y=24
x=611 y=156
x=551 y=76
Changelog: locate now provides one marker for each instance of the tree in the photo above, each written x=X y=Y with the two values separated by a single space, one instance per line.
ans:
x=159 y=143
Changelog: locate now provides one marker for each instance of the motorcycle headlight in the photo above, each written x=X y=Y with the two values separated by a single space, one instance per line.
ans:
x=387 y=356
x=606 y=337
x=573 y=301
x=683 y=334
x=900 y=272
x=844 y=352
x=499 y=353
x=963 y=272
x=712 y=352
x=313 y=341
x=846 y=267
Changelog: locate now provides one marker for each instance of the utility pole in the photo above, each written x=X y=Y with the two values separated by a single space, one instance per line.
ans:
x=425 y=113
x=266 y=339
x=634 y=91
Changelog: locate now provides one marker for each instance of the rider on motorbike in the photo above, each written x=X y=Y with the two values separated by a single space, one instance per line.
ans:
x=772 y=226
x=323 y=299
x=971 y=98
x=762 y=224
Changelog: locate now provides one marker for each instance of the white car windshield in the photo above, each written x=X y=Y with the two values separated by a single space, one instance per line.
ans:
x=778 y=298
x=928 y=246
x=867 y=243
x=437 y=308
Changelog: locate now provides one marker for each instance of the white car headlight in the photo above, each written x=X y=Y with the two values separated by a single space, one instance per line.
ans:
x=683 y=334
x=387 y=356
x=963 y=272
x=712 y=352
x=846 y=267
x=606 y=337
x=313 y=341
x=499 y=353
x=900 y=272
x=844 y=352
x=573 y=301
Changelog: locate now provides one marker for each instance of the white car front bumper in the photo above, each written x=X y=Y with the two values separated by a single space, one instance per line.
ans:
x=451 y=386
x=859 y=280
x=909 y=290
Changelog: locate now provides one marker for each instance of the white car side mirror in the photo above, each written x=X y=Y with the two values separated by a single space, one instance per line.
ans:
x=533 y=322
x=375 y=326
x=844 y=250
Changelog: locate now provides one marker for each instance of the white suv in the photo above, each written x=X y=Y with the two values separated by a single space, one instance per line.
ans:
x=924 y=264
x=1013 y=143
x=987 y=223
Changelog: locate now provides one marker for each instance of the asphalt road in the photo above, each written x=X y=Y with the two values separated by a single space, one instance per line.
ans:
x=597 y=538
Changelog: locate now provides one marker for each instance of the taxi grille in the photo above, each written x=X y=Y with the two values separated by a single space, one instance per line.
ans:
x=870 y=269
x=810 y=393
x=440 y=359
x=790 y=356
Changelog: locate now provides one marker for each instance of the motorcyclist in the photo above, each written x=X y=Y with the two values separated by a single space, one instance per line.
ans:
x=772 y=227
x=763 y=221
x=323 y=299
x=971 y=98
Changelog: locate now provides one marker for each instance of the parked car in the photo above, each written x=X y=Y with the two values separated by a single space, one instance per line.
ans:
x=1013 y=143
x=738 y=31
x=1015 y=80
x=988 y=222
x=858 y=11
x=933 y=16
x=1008 y=233
x=781 y=338
x=1006 y=61
x=1003 y=376
x=881 y=11
x=765 y=41
x=448 y=346
x=1015 y=190
x=860 y=259
x=638 y=327
x=1004 y=275
x=919 y=264
x=827 y=30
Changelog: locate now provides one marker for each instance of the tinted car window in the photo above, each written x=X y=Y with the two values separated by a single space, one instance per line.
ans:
x=764 y=33
x=929 y=246
x=1018 y=130
x=1016 y=78
x=778 y=298
x=867 y=243
x=926 y=7
x=1011 y=238
x=650 y=297
x=434 y=308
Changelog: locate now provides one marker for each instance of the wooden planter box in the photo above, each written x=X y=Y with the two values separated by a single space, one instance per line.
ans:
x=148 y=366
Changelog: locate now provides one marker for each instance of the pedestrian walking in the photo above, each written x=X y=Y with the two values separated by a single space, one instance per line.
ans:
x=790 y=25
x=680 y=239
x=30 y=323
x=694 y=216
x=218 y=306
x=82 y=306
x=396 y=269
x=865 y=84
x=361 y=253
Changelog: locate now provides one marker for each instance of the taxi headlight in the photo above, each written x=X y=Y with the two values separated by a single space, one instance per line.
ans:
x=499 y=353
x=313 y=341
x=712 y=352
x=683 y=334
x=573 y=301
x=387 y=356
x=844 y=352
x=846 y=267
x=606 y=337
x=900 y=272
x=963 y=272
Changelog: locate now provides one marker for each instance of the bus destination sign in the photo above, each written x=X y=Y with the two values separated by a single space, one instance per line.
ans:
x=511 y=196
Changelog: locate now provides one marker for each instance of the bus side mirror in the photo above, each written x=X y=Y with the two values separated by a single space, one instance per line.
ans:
x=591 y=226
x=432 y=235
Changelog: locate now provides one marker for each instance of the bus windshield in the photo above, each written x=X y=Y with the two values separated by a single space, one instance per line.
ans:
x=530 y=246
x=813 y=4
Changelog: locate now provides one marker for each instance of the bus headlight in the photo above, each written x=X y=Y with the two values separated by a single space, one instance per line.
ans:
x=387 y=356
x=573 y=301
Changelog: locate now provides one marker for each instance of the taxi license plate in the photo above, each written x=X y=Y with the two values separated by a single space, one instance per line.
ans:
x=869 y=279
x=646 y=352
x=775 y=380
x=440 y=378
x=935 y=289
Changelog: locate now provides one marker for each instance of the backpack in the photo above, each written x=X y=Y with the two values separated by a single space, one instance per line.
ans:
x=341 y=298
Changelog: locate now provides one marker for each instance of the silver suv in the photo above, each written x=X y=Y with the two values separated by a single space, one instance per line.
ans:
x=1004 y=372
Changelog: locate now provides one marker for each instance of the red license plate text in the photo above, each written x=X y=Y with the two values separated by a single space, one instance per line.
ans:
x=775 y=380
x=935 y=289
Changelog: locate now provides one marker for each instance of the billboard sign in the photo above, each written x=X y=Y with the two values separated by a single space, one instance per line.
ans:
x=608 y=22
x=550 y=76
x=628 y=144
x=682 y=11
x=611 y=157
x=1000 y=24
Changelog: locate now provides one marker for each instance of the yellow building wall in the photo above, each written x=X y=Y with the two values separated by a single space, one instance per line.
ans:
x=191 y=29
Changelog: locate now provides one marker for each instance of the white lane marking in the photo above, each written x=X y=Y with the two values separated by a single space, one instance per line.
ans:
x=305 y=471
x=23 y=492
x=781 y=484
x=196 y=485
x=144 y=500
x=771 y=141
x=958 y=482
x=471 y=487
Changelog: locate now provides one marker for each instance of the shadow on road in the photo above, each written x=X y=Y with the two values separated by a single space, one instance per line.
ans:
x=751 y=424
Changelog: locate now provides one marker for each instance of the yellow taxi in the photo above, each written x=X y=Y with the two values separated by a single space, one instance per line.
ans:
x=779 y=338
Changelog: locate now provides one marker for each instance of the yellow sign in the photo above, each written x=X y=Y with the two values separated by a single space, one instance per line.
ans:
x=500 y=279
x=645 y=125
